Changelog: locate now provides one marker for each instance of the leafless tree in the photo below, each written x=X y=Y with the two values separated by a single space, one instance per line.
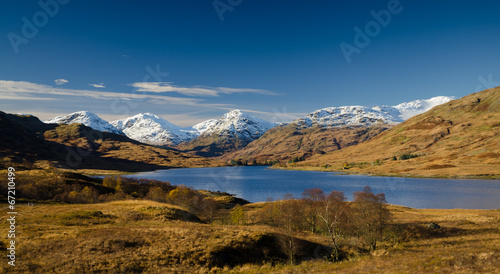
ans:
x=333 y=213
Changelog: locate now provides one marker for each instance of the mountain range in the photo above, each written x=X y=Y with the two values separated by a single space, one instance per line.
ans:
x=236 y=129
x=27 y=141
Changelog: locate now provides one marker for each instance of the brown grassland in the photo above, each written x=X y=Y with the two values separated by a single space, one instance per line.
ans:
x=144 y=236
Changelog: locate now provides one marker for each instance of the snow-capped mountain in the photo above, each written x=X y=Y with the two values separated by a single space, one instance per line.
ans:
x=205 y=125
x=410 y=109
x=346 y=116
x=87 y=118
x=236 y=124
x=151 y=129
x=365 y=116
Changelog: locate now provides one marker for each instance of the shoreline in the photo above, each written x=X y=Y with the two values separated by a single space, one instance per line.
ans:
x=395 y=175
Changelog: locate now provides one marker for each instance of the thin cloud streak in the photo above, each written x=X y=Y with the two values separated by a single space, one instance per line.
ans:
x=61 y=82
x=100 y=85
x=161 y=87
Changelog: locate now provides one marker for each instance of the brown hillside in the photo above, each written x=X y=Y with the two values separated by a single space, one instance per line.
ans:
x=212 y=145
x=459 y=138
x=27 y=140
x=286 y=142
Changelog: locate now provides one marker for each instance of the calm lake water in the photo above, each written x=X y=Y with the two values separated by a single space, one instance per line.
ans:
x=256 y=184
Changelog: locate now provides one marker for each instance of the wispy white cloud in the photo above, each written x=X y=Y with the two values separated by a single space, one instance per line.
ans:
x=22 y=90
x=163 y=87
x=61 y=82
x=100 y=85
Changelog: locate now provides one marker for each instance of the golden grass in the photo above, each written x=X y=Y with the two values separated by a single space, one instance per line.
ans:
x=141 y=236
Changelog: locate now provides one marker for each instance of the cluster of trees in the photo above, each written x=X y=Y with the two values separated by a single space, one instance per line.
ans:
x=407 y=156
x=331 y=215
x=196 y=203
x=240 y=162
x=66 y=187
x=297 y=159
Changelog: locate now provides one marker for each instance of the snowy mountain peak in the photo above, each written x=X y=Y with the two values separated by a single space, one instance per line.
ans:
x=238 y=124
x=346 y=116
x=152 y=129
x=410 y=109
x=365 y=116
x=205 y=125
x=87 y=118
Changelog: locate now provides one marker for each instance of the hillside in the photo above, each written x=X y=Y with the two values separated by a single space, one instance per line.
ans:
x=27 y=141
x=459 y=138
x=289 y=141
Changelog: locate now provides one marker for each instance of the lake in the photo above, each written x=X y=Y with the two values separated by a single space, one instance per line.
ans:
x=256 y=184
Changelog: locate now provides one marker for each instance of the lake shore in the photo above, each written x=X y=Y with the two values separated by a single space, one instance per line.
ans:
x=377 y=174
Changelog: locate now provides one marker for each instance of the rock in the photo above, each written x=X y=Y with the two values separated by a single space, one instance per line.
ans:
x=433 y=226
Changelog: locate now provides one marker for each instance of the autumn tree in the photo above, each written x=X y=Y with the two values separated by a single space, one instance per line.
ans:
x=209 y=209
x=157 y=194
x=181 y=196
x=288 y=218
x=311 y=198
x=371 y=215
x=237 y=215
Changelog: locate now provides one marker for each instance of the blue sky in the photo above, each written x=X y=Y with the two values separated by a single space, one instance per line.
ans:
x=188 y=61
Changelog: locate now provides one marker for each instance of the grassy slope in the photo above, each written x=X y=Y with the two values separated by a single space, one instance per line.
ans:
x=212 y=145
x=286 y=142
x=143 y=236
x=459 y=138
